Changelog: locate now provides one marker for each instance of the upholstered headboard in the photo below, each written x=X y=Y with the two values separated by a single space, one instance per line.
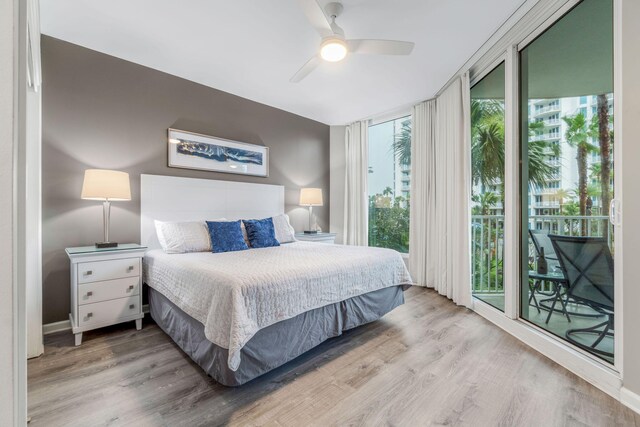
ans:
x=170 y=198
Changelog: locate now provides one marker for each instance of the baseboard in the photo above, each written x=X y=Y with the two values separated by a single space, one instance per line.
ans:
x=597 y=374
x=51 y=328
x=630 y=399
x=65 y=325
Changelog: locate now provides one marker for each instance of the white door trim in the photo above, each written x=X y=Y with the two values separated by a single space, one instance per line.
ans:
x=618 y=165
x=18 y=223
x=511 y=261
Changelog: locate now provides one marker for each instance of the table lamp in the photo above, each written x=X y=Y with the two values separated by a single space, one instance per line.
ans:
x=106 y=186
x=310 y=197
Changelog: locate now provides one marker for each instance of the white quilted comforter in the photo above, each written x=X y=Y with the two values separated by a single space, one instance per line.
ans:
x=235 y=294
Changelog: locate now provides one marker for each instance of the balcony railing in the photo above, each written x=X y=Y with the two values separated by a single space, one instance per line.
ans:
x=550 y=108
x=487 y=240
x=545 y=136
x=546 y=205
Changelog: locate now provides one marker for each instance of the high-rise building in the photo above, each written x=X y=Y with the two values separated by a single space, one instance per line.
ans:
x=547 y=200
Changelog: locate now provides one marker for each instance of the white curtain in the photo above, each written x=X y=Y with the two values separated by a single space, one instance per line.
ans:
x=440 y=190
x=356 y=230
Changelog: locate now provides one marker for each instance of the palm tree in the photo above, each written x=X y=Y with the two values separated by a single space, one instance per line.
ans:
x=402 y=143
x=577 y=135
x=487 y=146
x=485 y=201
x=605 y=141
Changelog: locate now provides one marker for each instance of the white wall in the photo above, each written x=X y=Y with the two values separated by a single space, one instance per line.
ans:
x=7 y=14
x=630 y=108
x=337 y=172
x=33 y=224
x=30 y=165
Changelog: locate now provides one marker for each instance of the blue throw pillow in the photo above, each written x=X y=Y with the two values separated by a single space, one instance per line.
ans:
x=226 y=236
x=261 y=233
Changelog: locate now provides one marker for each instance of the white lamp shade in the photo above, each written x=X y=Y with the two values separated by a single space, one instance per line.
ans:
x=311 y=197
x=101 y=184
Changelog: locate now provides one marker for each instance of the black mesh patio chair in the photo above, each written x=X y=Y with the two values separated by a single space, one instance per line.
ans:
x=588 y=266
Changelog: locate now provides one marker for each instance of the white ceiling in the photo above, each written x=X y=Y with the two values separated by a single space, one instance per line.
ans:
x=252 y=47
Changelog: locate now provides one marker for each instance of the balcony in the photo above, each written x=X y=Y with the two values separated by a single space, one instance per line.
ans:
x=545 y=137
x=487 y=268
x=487 y=236
x=546 y=191
x=546 y=205
x=547 y=110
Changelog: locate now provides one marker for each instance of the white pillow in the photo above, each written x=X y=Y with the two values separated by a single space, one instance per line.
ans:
x=183 y=237
x=284 y=231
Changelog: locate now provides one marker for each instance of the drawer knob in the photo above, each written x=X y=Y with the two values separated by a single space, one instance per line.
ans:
x=130 y=268
x=89 y=273
x=132 y=306
x=89 y=315
x=90 y=293
x=131 y=287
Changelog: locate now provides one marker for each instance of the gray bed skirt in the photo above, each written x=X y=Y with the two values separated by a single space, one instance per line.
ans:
x=274 y=345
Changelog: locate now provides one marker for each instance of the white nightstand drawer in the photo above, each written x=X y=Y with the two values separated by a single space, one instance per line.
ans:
x=90 y=293
x=106 y=270
x=108 y=311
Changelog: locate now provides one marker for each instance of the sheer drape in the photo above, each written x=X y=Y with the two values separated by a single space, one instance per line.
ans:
x=440 y=190
x=422 y=224
x=356 y=230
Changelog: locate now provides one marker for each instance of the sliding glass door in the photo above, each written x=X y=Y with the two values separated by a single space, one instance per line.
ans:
x=566 y=179
x=487 y=187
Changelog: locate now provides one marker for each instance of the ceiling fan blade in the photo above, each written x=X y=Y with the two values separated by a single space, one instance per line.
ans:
x=316 y=17
x=306 y=69
x=380 y=47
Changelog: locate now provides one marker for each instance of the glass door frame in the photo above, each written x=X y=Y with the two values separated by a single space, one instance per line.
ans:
x=508 y=142
x=559 y=350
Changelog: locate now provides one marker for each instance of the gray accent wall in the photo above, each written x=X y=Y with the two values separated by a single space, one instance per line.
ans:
x=103 y=112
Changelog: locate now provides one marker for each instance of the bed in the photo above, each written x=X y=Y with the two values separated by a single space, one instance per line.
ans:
x=241 y=314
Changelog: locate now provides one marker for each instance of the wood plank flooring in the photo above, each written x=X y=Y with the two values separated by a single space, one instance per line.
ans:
x=426 y=363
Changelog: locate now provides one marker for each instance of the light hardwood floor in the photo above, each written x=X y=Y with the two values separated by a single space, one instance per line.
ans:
x=426 y=363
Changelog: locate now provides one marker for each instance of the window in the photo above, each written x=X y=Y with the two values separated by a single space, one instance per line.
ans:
x=390 y=184
x=565 y=208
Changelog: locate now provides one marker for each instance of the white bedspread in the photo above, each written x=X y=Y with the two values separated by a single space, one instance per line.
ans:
x=235 y=294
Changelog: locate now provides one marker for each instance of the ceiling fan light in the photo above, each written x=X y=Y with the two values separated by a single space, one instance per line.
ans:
x=333 y=50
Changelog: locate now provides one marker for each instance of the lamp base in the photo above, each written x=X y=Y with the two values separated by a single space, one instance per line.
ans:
x=103 y=245
x=310 y=231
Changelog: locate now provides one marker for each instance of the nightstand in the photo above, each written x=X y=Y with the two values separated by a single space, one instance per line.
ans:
x=106 y=287
x=329 y=238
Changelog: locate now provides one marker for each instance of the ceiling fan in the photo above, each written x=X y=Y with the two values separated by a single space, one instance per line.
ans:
x=334 y=47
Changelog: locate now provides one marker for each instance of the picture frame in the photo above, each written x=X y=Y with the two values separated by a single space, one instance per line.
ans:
x=190 y=150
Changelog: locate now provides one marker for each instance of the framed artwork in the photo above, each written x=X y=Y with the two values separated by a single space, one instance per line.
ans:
x=196 y=151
